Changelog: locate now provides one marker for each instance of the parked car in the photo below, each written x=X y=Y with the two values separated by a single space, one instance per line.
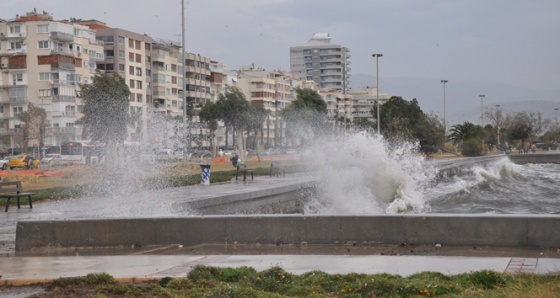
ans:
x=51 y=159
x=23 y=161
x=4 y=162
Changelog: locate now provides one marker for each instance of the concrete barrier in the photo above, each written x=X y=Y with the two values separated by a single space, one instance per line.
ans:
x=535 y=158
x=530 y=231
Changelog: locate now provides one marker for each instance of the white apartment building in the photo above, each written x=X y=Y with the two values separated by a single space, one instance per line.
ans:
x=363 y=101
x=320 y=61
x=42 y=62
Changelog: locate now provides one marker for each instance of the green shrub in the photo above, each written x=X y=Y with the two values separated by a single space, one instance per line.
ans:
x=90 y=279
x=486 y=279
x=473 y=147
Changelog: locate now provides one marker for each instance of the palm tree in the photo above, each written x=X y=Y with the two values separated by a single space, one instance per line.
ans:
x=462 y=132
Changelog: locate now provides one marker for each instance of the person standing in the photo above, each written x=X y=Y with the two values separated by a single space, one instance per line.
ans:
x=234 y=156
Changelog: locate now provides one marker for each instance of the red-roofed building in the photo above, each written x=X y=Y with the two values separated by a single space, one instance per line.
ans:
x=42 y=62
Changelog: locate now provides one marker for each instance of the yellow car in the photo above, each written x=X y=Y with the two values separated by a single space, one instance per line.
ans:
x=23 y=161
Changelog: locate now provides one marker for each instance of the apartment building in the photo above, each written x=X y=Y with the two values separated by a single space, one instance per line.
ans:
x=339 y=107
x=197 y=88
x=320 y=61
x=273 y=90
x=130 y=55
x=42 y=62
x=363 y=101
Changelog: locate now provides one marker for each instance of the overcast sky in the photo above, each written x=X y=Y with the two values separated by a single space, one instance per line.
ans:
x=511 y=42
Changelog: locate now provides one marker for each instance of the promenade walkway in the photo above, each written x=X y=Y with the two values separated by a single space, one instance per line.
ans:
x=19 y=270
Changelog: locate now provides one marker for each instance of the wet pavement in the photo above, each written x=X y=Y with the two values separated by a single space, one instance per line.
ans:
x=149 y=263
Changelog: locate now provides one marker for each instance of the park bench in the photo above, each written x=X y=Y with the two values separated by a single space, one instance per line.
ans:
x=242 y=168
x=13 y=189
x=276 y=169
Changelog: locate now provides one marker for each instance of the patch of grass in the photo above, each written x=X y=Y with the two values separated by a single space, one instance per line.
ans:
x=208 y=281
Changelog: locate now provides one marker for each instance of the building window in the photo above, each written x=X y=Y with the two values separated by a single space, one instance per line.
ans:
x=15 y=29
x=43 y=44
x=17 y=77
x=131 y=43
x=15 y=45
x=138 y=71
x=17 y=110
x=45 y=92
x=42 y=28
x=138 y=97
x=131 y=57
x=132 y=97
x=139 y=84
x=109 y=53
x=44 y=76
x=138 y=44
x=121 y=67
x=138 y=58
x=131 y=85
x=121 y=54
x=77 y=32
x=131 y=70
x=121 y=39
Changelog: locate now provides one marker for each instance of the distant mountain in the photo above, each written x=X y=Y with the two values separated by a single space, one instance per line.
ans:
x=462 y=97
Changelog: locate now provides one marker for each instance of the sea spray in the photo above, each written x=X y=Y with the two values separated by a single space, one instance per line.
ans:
x=362 y=174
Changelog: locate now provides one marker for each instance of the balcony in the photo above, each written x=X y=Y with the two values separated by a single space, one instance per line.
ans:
x=11 y=131
x=63 y=66
x=62 y=51
x=65 y=130
x=62 y=36
x=18 y=99
x=64 y=114
x=64 y=98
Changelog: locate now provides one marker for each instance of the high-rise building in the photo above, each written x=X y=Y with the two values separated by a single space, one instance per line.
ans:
x=42 y=62
x=328 y=65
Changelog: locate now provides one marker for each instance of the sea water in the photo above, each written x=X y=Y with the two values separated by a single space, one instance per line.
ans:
x=362 y=174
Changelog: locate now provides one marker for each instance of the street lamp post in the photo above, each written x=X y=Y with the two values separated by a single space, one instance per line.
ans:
x=498 y=122
x=556 y=130
x=378 y=107
x=482 y=109
x=185 y=129
x=444 y=108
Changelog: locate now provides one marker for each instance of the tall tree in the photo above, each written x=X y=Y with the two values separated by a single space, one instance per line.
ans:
x=404 y=121
x=255 y=122
x=210 y=114
x=33 y=124
x=233 y=108
x=106 y=108
x=306 y=116
x=106 y=112
x=525 y=126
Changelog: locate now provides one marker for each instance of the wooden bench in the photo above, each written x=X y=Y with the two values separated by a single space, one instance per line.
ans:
x=13 y=189
x=242 y=168
x=276 y=169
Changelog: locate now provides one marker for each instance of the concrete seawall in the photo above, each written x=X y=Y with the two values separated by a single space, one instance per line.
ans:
x=449 y=229
x=535 y=158
x=531 y=231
